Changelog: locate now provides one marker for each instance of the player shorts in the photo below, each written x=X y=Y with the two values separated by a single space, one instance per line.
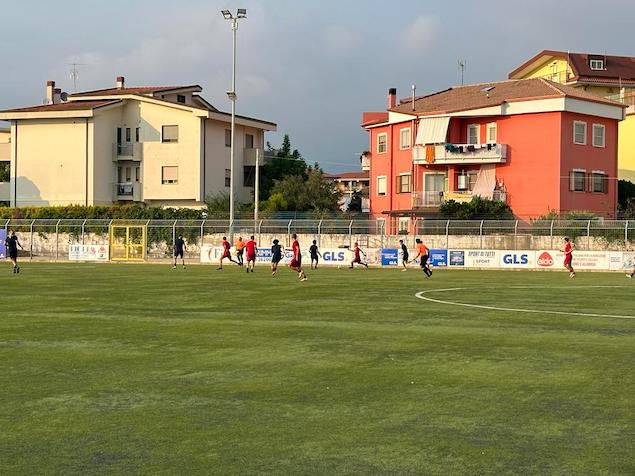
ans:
x=251 y=257
x=13 y=254
x=357 y=259
x=424 y=260
x=314 y=257
x=226 y=254
x=295 y=263
x=178 y=254
x=276 y=259
x=567 y=259
x=405 y=257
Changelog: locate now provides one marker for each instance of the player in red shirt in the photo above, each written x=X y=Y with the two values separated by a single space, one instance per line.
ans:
x=357 y=258
x=296 y=261
x=251 y=253
x=568 y=248
x=226 y=253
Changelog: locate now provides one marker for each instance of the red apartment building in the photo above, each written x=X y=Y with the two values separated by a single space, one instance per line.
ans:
x=536 y=144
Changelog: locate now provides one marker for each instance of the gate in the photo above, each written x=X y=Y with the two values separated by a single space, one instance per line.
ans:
x=128 y=242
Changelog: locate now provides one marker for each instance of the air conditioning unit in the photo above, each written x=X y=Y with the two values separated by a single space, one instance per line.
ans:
x=463 y=182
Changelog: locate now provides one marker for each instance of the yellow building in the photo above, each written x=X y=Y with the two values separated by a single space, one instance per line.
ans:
x=5 y=161
x=604 y=75
x=161 y=146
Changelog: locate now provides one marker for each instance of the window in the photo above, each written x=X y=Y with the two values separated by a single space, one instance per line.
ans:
x=554 y=72
x=249 y=141
x=170 y=174
x=128 y=134
x=596 y=64
x=137 y=174
x=491 y=133
x=228 y=138
x=381 y=185
x=120 y=174
x=128 y=174
x=403 y=183
x=170 y=133
x=576 y=180
x=382 y=143
x=598 y=135
x=599 y=182
x=473 y=133
x=119 y=135
x=404 y=223
x=381 y=226
x=249 y=175
x=137 y=134
x=404 y=139
x=180 y=98
x=228 y=177
x=579 y=132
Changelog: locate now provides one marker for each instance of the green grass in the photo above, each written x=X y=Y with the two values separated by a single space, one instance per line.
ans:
x=140 y=369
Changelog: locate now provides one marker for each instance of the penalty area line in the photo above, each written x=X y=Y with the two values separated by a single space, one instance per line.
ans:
x=421 y=295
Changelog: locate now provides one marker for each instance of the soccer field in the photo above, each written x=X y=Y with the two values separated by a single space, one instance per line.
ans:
x=141 y=369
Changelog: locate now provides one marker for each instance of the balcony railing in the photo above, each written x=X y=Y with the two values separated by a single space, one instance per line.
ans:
x=365 y=158
x=447 y=154
x=426 y=199
x=127 y=151
x=365 y=205
x=627 y=99
x=128 y=191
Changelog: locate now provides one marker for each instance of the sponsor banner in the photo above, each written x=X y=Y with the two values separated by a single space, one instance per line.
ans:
x=390 y=257
x=438 y=258
x=88 y=253
x=628 y=260
x=457 y=258
x=518 y=259
x=616 y=261
x=592 y=260
x=3 y=236
x=482 y=258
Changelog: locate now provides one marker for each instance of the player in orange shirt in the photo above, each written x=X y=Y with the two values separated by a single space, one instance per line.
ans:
x=240 y=246
x=423 y=253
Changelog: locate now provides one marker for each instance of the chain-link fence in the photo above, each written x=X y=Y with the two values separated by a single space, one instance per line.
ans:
x=50 y=239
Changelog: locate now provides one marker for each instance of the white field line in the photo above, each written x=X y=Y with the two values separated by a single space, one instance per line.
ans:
x=421 y=294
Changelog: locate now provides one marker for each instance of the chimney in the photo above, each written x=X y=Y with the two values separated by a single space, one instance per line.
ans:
x=392 y=98
x=50 y=86
x=57 y=96
x=121 y=81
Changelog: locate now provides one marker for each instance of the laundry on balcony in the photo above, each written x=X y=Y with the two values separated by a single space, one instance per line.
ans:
x=430 y=154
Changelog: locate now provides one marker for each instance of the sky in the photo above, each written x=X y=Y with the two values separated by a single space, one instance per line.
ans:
x=312 y=67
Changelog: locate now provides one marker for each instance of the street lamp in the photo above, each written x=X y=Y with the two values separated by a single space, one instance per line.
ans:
x=227 y=15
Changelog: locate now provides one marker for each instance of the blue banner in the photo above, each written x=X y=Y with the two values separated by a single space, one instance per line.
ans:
x=389 y=257
x=439 y=258
x=3 y=236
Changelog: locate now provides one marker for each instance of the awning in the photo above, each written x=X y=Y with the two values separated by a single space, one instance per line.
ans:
x=485 y=181
x=432 y=130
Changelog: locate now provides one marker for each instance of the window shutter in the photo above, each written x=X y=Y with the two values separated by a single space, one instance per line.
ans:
x=571 y=181
x=170 y=174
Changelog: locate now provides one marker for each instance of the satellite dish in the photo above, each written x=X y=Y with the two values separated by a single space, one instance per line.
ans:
x=64 y=96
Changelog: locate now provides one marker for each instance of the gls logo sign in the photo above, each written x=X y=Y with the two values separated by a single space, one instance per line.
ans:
x=333 y=256
x=514 y=258
x=545 y=260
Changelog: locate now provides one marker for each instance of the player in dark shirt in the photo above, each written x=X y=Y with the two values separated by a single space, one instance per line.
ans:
x=179 y=250
x=276 y=256
x=12 y=243
x=404 y=255
x=315 y=254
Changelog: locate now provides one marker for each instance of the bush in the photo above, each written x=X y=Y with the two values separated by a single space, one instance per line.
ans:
x=476 y=209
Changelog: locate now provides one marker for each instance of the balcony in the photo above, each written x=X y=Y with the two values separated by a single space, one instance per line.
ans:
x=365 y=205
x=426 y=199
x=249 y=157
x=5 y=191
x=627 y=98
x=458 y=154
x=129 y=151
x=128 y=191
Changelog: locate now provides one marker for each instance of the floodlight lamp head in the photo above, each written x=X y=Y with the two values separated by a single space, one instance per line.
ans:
x=241 y=13
x=227 y=15
x=232 y=95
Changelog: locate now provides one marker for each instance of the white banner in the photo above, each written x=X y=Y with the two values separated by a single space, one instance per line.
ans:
x=592 y=260
x=518 y=259
x=88 y=253
x=482 y=258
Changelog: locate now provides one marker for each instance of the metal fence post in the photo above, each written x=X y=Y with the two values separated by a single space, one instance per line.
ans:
x=174 y=234
x=350 y=233
x=289 y=231
x=319 y=231
x=31 y=247
x=516 y=235
x=551 y=234
x=83 y=228
x=57 y=240
x=447 y=234
x=626 y=233
x=588 y=235
x=202 y=232
x=259 y=229
x=480 y=231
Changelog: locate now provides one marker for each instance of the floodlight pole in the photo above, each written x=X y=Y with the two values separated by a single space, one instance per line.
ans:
x=232 y=97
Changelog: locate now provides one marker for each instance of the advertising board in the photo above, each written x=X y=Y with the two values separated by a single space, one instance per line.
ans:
x=439 y=258
x=482 y=258
x=3 y=236
x=88 y=253
x=518 y=259
x=591 y=260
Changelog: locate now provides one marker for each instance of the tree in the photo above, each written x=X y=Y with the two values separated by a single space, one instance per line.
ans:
x=625 y=191
x=476 y=209
x=217 y=203
x=355 y=204
x=285 y=162
x=311 y=193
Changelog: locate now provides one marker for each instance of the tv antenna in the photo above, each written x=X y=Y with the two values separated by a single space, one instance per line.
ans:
x=462 y=63
x=75 y=74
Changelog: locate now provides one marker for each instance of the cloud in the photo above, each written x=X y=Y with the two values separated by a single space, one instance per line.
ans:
x=338 y=40
x=421 y=35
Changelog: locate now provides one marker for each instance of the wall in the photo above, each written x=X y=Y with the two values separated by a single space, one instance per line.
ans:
x=626 y=149
x=51 y=162
x=589 y=158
